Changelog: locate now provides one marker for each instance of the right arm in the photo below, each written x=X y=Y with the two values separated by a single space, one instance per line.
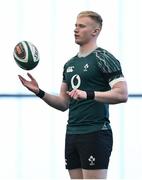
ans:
x=60 y=102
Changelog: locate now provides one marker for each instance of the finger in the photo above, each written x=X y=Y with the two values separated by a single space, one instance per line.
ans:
x=74 y=94
x=21 y=78
x=30 y=76
x=67 y=92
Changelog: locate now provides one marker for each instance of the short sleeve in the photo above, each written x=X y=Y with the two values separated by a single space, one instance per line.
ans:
x=64 y=78
x=109 y=66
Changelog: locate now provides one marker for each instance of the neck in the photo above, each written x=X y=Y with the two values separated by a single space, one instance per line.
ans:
x=87 y=48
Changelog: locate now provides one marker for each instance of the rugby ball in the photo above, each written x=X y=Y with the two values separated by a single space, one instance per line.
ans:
x=26 y=55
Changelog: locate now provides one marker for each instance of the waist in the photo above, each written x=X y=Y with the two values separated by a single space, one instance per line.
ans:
x=88 y=128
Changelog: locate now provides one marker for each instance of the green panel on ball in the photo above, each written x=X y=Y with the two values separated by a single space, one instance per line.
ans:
x=26 y=55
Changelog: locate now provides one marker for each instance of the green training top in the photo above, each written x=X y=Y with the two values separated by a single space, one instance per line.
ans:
x=91 y=73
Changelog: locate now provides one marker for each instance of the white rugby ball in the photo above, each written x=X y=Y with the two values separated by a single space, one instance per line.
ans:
x=26 y=55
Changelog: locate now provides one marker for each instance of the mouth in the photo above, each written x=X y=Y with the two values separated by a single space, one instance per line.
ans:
x=76 y=36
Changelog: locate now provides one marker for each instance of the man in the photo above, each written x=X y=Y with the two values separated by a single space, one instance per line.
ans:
x=92 y=80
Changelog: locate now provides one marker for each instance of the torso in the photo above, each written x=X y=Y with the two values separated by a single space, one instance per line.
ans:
x=86 y=73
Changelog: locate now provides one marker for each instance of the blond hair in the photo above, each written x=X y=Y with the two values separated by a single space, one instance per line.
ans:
x=93 y=15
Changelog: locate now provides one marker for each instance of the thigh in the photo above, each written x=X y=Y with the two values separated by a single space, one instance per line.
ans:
x=95 y=174
x=95 y=150
x=76 y=174
x=72 y=159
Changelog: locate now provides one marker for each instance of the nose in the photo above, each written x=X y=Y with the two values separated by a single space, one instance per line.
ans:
x=76 y=30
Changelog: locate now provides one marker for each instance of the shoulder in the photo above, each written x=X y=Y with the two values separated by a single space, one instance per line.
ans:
x=70 y=61
x=102 y=54
x=106 y=60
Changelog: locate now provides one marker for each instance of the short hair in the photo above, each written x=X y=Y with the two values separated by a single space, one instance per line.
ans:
x=93 y=15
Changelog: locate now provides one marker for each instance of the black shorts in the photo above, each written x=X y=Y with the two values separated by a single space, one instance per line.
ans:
x=88 y=151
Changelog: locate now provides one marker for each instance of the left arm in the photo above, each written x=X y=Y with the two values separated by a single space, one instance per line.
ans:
x=117 y=94
x=111 y=68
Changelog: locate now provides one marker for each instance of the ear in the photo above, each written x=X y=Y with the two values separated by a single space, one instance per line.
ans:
x=96 y=31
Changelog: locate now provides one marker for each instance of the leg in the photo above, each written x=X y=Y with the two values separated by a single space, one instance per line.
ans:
x=76 y=174
x=72 y=159
x=95 y=150
x=95 y=174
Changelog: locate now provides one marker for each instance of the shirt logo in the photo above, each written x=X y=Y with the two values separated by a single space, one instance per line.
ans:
x=75 y=81
x=70 y=69
x=86 y=67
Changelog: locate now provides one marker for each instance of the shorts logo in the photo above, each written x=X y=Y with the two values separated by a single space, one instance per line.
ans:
x=91 y=160
x=65 y=162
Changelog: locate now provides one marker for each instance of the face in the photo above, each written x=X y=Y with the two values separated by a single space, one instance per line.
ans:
x=85 y=30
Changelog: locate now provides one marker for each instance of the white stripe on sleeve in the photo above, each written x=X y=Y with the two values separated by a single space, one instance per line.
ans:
x=114 y=81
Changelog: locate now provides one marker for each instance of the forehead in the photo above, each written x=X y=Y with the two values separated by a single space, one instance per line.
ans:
x=85 y=20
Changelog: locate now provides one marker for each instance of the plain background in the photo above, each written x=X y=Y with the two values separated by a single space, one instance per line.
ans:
x=32 y=133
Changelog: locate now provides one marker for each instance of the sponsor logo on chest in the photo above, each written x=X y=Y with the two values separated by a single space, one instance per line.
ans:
x=71 y=68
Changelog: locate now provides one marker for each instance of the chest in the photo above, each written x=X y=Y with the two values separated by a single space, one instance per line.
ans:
x=82 y=73
x=85 y=68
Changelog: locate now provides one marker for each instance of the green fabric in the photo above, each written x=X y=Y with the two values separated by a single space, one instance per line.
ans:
x=90 y=73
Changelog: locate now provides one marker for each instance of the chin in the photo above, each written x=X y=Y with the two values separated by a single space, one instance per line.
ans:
x=78 y=42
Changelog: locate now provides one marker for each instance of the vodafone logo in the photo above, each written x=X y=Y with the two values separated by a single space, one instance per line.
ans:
x=75 y=81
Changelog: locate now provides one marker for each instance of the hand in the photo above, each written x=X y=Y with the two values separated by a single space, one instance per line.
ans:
x=77 y=94
x=32 y=85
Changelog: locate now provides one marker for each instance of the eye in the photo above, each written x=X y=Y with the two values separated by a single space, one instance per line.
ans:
x=82 y=26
